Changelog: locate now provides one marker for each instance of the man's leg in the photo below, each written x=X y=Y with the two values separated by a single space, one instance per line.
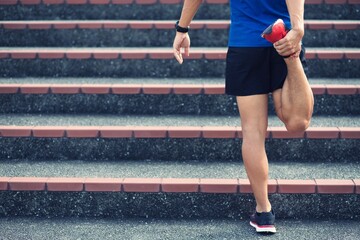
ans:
x=254 y=116
x=295 y=101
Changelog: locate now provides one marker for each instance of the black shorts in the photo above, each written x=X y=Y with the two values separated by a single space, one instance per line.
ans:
x=255 y=70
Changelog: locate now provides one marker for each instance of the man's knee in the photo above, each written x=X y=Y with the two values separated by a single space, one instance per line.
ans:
x=297 y=124
x=254 y=134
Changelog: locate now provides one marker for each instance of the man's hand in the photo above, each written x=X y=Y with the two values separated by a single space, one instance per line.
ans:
x=181 y=41
x=290 y=45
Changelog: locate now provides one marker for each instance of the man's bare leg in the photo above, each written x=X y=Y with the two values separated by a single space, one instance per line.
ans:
x=254 y=119
x=294 y=103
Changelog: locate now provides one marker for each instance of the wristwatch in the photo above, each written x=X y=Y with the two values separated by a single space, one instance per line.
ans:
x=181 y=29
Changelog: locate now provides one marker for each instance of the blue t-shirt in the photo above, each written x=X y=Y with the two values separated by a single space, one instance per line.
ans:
x=249 y=18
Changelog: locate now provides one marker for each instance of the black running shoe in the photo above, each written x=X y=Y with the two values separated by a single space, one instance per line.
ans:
x=263 y=222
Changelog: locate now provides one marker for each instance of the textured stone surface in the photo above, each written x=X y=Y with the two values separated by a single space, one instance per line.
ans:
x=342 y=68
x=325 y=38
x=332 y=150
x=158 y=11
x=183 y=126
x=198 y=104
x=170 y=168
x=175 y=229
x=332 y=11
x=155 y=38
x=154 y=81
x=174 y=205
x=330 y=68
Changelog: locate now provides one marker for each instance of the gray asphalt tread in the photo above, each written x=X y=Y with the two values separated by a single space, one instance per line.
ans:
x=174 y=169
x=154 y=120
x=156 y=229
x=31 y=80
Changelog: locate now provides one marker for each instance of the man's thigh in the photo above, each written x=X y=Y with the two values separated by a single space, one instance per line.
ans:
x=253 y=113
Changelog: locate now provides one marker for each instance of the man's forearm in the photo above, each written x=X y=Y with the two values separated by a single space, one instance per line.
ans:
x=296 y=11
x=188 y=12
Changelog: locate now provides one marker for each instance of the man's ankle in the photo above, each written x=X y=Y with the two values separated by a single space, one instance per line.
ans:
x=261 y=209
x=293 y=58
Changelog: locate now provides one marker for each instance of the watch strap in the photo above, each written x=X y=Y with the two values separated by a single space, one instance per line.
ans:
x=181 y=29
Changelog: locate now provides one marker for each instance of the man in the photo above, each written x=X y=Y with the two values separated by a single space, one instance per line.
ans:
x=254 y=68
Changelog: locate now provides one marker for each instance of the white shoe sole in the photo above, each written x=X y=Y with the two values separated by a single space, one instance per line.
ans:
x=264 y=229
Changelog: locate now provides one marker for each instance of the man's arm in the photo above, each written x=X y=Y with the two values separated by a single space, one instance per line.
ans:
x=290 y=44
x=182 y=40
x=296 y=11
x=189 y=10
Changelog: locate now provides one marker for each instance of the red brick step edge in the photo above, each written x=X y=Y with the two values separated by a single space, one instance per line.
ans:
x=318 y=89
x=171 y=132
x=147 y=2
x=180 y=185
x=156 y=24
x=153 y=53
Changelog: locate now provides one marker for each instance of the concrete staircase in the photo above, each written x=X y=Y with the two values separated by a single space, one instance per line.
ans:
x=97 y=120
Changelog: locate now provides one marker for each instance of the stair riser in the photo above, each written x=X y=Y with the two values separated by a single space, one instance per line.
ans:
x=175 y=205
x=158 y=11
x=198 y=104
x=154 y=38
x=324 y=68
x=89 y=149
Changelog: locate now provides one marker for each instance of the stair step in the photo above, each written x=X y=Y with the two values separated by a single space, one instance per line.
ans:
x=158 y=24
x=174 y=132
x=129 y=62
x=167 y=9
x=178 y=142
x=153 y=53
x=48 y=88
x=150 y=33
x=170 y=131
x=177 y=185
x=201 y=96
x=163 y=121
x=146 y=2
x=324 y=82
x=94 y=148
x=174 y=169
x=160 y=197
x=150 y=229
x=158 y=104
